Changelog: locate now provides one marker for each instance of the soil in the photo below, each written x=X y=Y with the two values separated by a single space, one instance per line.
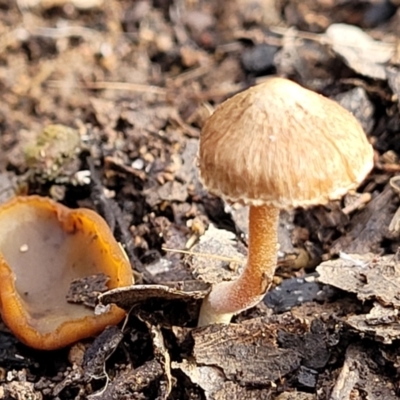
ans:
x=102 y=105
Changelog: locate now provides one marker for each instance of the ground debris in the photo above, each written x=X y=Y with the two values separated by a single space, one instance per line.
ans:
x=216 y=258
x=357 y=102
x=130 y=383
x=383 y=323
x=246 y=353
x=360 y=52
x=176 y=304
x=393 y=75
x=130 y=296
x=47 y=4
x=99 y=351
x=52 y=155
x=133 y=383
x=7 y=187
x=19 y=391
x=367 y=229
x=180 y=178
x=86 y=290
x=309 y=59
x=316 y=16
x=358 y=379
x=9 y=353
x=127 y=87
x=311 y=345
x=371 y=278
x=244 y=360
x=214 y=384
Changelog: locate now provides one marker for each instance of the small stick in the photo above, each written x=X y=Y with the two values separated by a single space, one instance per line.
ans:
x=132 y=87
x=222 y=258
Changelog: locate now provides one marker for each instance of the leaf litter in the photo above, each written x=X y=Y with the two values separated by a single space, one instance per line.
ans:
x=135 y=81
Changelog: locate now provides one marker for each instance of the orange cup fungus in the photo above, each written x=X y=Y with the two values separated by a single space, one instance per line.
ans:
x=44 y=246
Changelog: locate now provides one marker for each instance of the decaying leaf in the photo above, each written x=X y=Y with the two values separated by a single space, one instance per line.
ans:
x=214 y=384
x=296 y=396
x=358 y=376
x=99 y=351
x=86 y=290
x=246 y=353
x=161 y=354
x=369 y=276
x=223 y=262
x=360 y=52
x=381 y=322
x=357 y=102
x=129 y=296
x=131 y=382
x=369 y=227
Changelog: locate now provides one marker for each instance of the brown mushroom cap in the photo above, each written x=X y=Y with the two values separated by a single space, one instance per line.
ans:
x=280 y=144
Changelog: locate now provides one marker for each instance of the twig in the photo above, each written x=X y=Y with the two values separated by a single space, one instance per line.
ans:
x=358 y=203
x=131 y=87
x=322 y=38
x=192 y=253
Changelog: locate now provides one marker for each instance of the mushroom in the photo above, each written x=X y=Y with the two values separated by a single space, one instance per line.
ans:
x=44 y=246
x=275 y=146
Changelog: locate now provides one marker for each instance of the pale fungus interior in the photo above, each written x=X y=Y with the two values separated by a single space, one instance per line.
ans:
x=44 y=259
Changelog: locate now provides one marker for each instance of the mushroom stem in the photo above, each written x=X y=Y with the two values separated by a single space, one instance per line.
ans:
x=229 y=298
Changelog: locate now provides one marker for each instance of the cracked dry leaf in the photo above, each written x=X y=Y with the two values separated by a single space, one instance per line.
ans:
x=369 y=228
x=296 y=396
x=100 y=351
x=246 y=353
x=86 y=290
x=219 y=259
x=358 y=376
x=130 y=383
x=129 y=296
x=360 y=52
x=214 y=384
x=381 y=322
x=368 y=276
